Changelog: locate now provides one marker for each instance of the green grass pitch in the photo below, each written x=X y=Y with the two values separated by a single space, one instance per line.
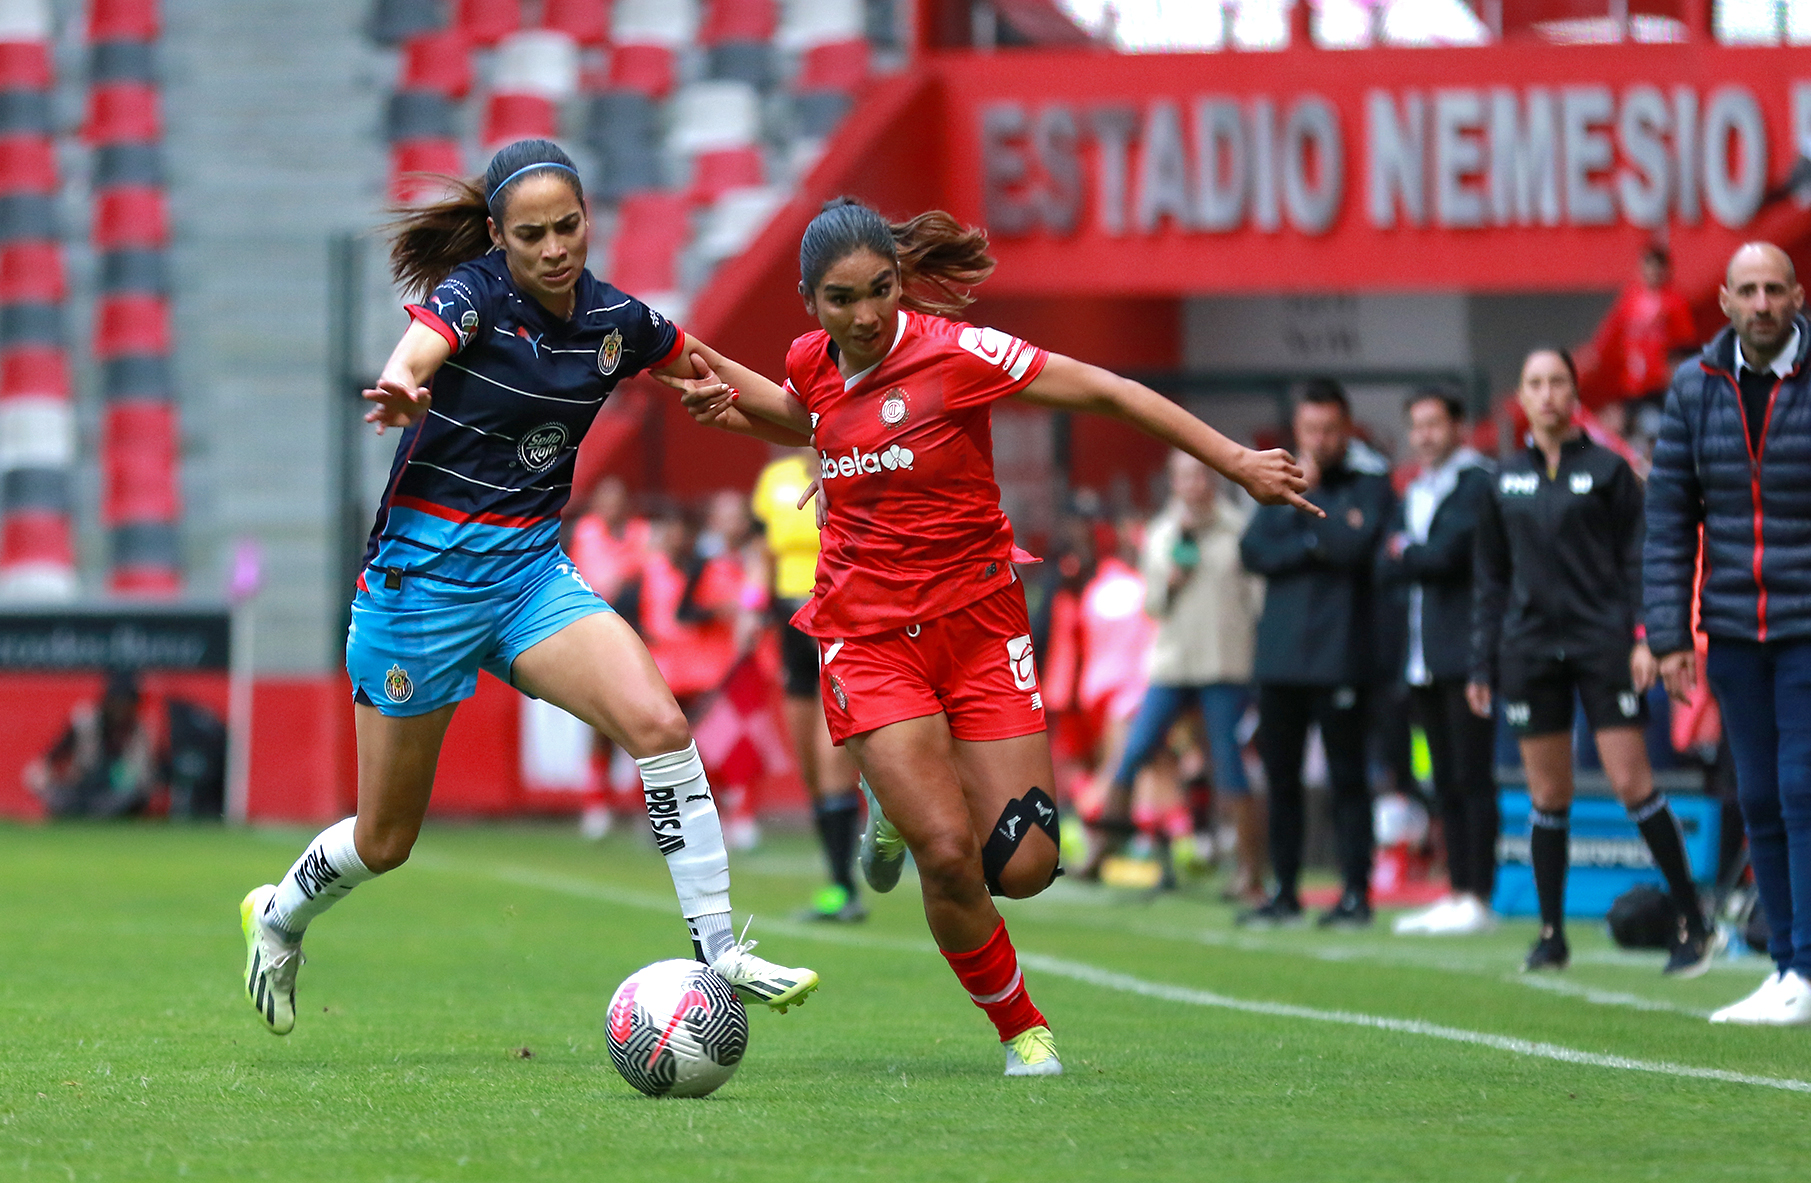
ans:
x=451 y=1028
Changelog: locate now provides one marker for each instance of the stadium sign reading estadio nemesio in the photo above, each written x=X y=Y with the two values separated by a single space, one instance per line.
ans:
x=1505 y=166
x=1461 y=157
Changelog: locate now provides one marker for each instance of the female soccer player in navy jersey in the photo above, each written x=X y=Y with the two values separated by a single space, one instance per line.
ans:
x=499 y=375
x=927 y=670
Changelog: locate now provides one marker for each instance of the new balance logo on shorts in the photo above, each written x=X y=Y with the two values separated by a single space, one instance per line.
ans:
x=1628 y=704
x=316 y=874
x=1516 y=714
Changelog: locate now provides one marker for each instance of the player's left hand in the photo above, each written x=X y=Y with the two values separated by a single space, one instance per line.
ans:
x=399 y=403
x=1274 y=478
x=705 y=396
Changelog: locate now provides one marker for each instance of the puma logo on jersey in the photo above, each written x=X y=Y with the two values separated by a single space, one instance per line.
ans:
x=534 y=342
x=1001 y=349
x=858 y=461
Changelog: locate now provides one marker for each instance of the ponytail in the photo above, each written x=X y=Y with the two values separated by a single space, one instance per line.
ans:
x=939 y=259
x=428 y=241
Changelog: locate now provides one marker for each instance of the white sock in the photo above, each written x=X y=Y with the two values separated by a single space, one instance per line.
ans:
x=684 y=820
x=327 y=870
x=712 y=935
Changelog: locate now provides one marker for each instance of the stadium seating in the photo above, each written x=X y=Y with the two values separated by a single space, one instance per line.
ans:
x=439 y=62
x=675 y=97
x=486 y=22
x=395 y=21
x=585 y=21
x=37 y=431
x=130 y=232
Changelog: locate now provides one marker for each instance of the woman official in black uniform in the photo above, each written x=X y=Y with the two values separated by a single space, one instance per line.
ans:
x=1557 y=610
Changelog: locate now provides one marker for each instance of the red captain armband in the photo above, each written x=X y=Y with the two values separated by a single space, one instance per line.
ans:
x=427 y=317
x=673 y=354
x=1024 y=558
x=1641 y=632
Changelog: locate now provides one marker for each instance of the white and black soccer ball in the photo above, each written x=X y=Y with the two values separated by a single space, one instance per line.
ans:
x=676 y=1029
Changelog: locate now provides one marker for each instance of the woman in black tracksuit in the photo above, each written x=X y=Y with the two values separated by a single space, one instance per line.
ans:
x=1556 y=610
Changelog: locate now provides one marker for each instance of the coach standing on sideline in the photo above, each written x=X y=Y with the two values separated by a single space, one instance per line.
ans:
x=1429 y=548
x=1314 y=661
x=1734 y=456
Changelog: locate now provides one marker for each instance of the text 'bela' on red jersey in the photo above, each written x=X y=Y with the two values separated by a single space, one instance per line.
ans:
x=914 y=528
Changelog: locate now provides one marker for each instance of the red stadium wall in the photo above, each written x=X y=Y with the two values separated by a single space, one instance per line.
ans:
x=1090 y=172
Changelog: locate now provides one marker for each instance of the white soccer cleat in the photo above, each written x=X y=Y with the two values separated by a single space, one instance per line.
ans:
x=1421 y=922
x=760 y=980
x=270 y=964
x=883 y=850
x=1783 y=1000
x=1032 y=1052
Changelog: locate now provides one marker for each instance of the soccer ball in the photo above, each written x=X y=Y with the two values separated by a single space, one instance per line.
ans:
x=676 y=1029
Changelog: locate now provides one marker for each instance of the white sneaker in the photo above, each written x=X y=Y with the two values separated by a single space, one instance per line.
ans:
x=1467 y=915
x=1756 y=1003
x=761 y=980
x=1417 y=923
x=1783 y=1000
x=270 y=964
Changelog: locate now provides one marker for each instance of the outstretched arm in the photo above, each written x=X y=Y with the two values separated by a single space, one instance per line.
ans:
x=722 y=393
x=1069 y=385
x=401 y=394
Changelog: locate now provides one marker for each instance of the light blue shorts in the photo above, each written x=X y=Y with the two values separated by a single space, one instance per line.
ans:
x=418 y=647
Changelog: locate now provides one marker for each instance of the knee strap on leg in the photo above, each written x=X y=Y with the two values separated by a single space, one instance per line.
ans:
x=1035 y=808
x=1044 y=816
x=1003 y=843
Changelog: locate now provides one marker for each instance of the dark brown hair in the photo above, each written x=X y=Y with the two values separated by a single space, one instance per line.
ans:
x=940 y=260
x=427 y=241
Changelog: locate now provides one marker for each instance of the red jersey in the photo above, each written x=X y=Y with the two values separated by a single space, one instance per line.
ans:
x=914 y=528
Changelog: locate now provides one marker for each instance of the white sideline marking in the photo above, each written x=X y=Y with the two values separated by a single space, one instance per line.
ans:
x=1600 y=997
x=1093 y=976
x=1126 y=984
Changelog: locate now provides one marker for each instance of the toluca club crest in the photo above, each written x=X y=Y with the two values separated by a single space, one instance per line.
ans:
x=894 y=408
x=542 y=446
x=610 y=354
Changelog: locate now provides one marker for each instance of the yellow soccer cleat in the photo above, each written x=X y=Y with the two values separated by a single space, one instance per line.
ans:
x=270 y=964
x=760 y=980
x=1032 y=1052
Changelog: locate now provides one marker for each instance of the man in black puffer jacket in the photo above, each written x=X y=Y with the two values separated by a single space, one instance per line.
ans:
x=1734 y=457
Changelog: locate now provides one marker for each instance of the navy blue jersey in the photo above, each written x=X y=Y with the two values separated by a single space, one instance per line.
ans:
x=478 y=483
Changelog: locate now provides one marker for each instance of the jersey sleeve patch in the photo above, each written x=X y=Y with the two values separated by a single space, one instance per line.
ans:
x=991 y=365
x=455 y=309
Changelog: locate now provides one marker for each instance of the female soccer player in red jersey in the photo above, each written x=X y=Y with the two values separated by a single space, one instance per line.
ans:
x=927 y=670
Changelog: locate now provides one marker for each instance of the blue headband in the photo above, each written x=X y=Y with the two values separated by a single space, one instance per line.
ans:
x=504 y=183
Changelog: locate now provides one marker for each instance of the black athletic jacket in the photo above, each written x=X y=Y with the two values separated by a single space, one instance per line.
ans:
x=1557 y=569
x=1318 y=627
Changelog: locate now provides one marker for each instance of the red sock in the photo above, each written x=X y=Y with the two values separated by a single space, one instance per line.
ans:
x=991 y=976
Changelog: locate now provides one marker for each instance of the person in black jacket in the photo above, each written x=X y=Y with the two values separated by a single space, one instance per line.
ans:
x=1314 y=661
x=1734 y=458
x=1557 y=610
x=1428 y=548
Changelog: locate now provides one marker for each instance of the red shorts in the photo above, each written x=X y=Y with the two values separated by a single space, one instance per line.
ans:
x=974 y=665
